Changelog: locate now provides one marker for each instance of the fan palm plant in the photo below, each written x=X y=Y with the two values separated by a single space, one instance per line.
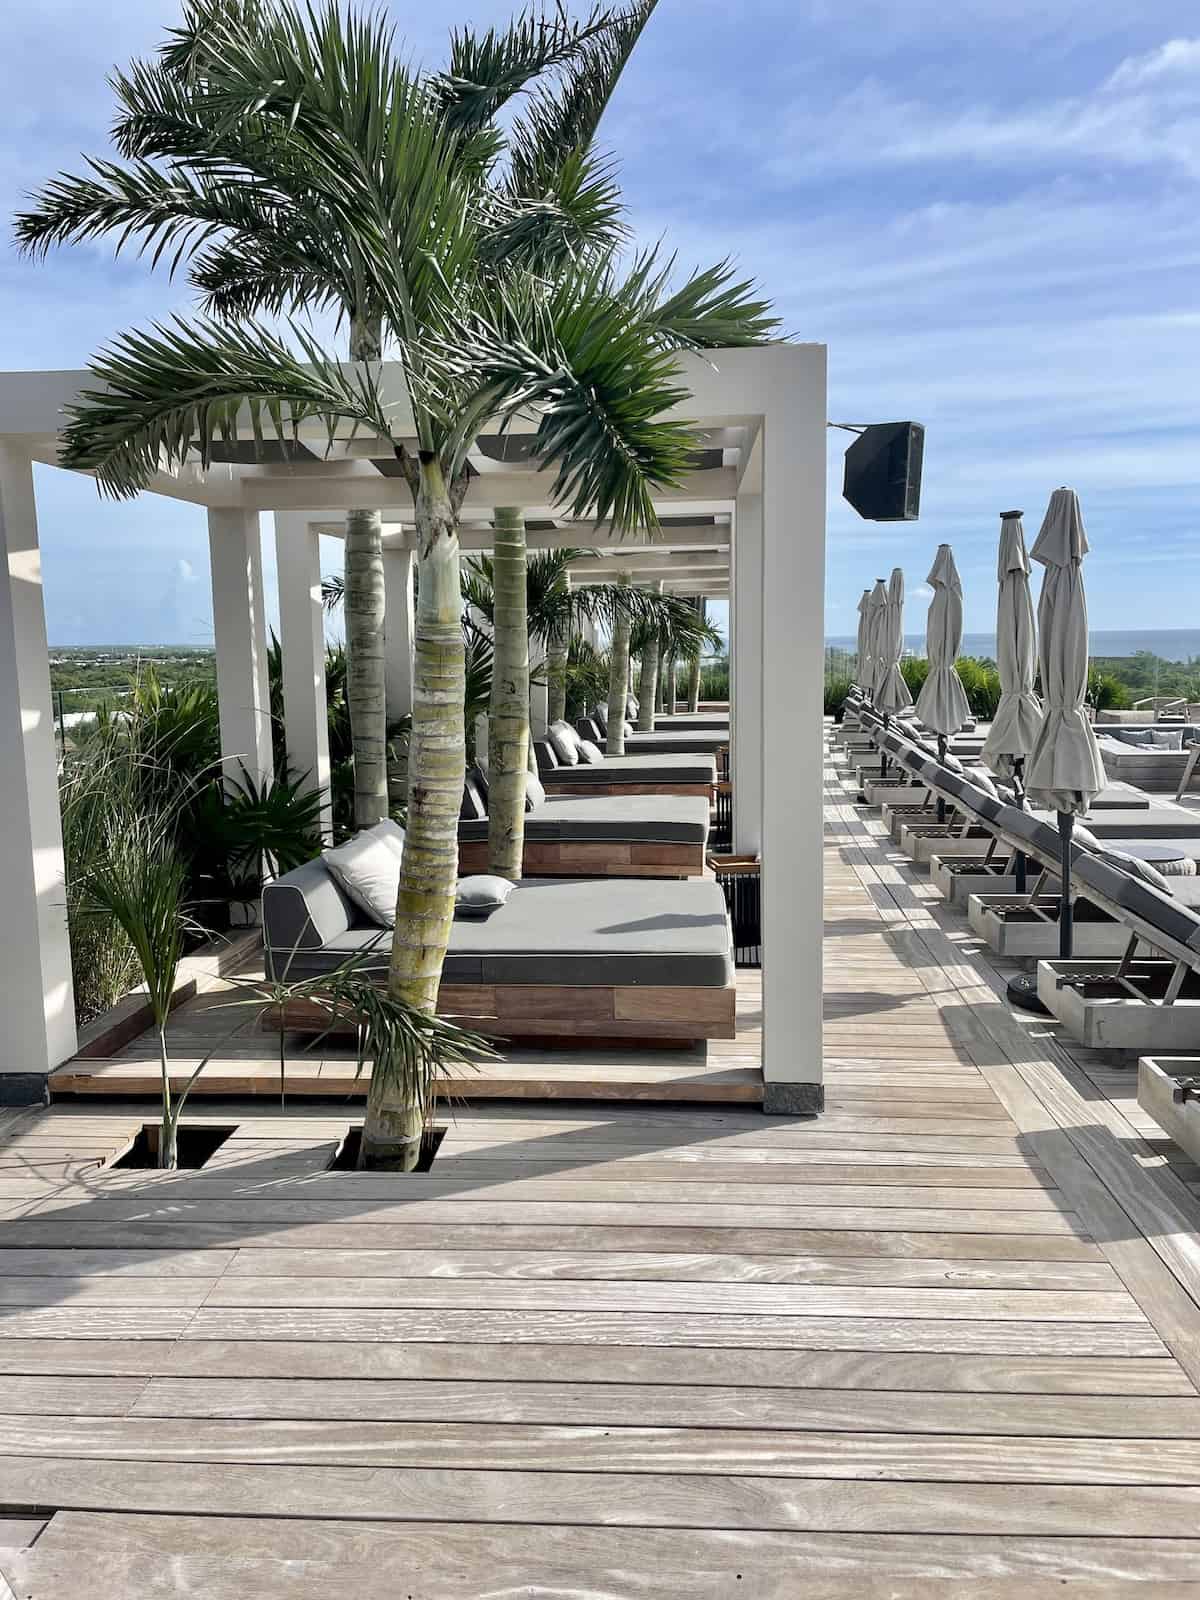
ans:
x=326 y=174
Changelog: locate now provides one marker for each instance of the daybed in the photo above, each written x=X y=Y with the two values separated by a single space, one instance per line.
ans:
x=589 y=961
x=594 y=835
x=595 y=773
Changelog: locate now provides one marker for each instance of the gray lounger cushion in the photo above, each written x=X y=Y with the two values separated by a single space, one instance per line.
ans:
x=637 y=819
x=1157 y=910
x=564 y=931
x=637 y=769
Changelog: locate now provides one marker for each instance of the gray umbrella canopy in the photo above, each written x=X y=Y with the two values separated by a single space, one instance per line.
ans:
x=1018 y=719
x=1065 y=771
x=862 y=666
x=942 y=703
x=876 y=609
x=891 y=691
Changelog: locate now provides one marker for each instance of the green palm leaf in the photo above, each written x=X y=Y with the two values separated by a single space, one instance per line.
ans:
x=186 y=386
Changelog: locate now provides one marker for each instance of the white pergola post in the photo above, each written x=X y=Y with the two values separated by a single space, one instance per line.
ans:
x=746 y=674
x=240 y=637
x=539 y=708
x=398 y=610
x=302 y=641
x=792 y=663
x=37 y=1000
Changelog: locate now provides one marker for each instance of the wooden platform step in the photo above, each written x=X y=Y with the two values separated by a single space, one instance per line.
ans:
x=585 y=1078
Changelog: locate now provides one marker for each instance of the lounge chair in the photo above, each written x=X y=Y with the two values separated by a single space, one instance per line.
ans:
x=595 y=836
x=589 y=961
x=1142 y=1004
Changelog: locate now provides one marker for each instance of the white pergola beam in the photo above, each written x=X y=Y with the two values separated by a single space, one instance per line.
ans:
x=302 y=647
x=37 y=1000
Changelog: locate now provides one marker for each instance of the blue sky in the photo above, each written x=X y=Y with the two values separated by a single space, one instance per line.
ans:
x=989 y=210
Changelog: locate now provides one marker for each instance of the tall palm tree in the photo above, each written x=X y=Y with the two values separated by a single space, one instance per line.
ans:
x=231 y=193
x=310 y=130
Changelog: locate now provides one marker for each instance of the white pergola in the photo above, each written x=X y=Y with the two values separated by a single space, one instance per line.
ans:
x=748 y=521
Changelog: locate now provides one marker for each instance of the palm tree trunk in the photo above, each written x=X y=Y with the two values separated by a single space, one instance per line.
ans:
x=648 y=686
x=672 y=685
x=365 y=664
x=618 y=679
x=508 y=722
x=693 y=695
x=557 y=649
x=363 y=606
x=395 y=1121
x=168 y=1144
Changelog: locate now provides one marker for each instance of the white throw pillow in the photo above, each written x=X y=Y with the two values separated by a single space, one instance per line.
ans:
x=590 y=753
x=564 y=741
x=480 y=895
x=535 y=792
x=367 y=867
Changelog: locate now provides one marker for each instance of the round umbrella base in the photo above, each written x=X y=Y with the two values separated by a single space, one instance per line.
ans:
x=1022 y=992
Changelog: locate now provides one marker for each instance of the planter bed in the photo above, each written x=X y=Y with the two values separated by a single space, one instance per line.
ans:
x=1157 y=1084
x=956 y=878
x=923 y=840
x=1023 y=926
x=1107 y=1012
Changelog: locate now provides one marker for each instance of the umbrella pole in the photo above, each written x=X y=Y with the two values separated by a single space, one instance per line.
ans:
x=1066 y=914
x=943 y=742
x=883 y=760
x=1020 y=865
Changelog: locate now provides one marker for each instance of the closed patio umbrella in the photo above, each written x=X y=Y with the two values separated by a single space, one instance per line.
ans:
x=862 y=665
x=1065 y=771
x=942 y=703
x=1018 y=719
x=891 y=691
x=876 y=608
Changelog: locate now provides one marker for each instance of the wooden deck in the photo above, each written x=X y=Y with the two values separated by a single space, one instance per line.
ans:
x=944 y=1341
x=725 y=1071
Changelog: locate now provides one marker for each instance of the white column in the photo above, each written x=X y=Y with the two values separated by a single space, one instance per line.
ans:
x=793 y=648
x=539 y=708
x=302 y=642
x=240 y=636
x=37 y=1001
x=746 y=674
x=398 y=607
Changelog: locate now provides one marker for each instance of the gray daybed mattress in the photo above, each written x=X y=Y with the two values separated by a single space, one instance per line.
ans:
x=637 y=819
x=698 y=743
x=666 y=768
x=552 y=931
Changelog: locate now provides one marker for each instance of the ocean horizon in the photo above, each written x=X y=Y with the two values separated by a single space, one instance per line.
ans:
x=1172 y=644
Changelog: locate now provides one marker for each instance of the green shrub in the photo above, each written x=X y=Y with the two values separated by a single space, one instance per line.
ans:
x=1106 y=692
x=981 y=680
x=836 y=690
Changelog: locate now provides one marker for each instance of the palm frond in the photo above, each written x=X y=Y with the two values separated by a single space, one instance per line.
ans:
x=599 y=378
x=333 y=591
x=184 y=387
x=562 y=118
x=572 y=209
x=709 y=311
x=485 y=70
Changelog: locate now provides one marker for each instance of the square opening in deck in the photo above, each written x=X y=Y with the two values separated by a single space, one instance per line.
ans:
x=196 y=1143
x=345 y=1157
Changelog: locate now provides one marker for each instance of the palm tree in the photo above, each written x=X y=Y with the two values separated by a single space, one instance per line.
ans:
x=232 y=193
x=310 y=132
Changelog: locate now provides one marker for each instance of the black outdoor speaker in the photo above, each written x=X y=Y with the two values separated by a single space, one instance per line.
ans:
x=883 y=472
